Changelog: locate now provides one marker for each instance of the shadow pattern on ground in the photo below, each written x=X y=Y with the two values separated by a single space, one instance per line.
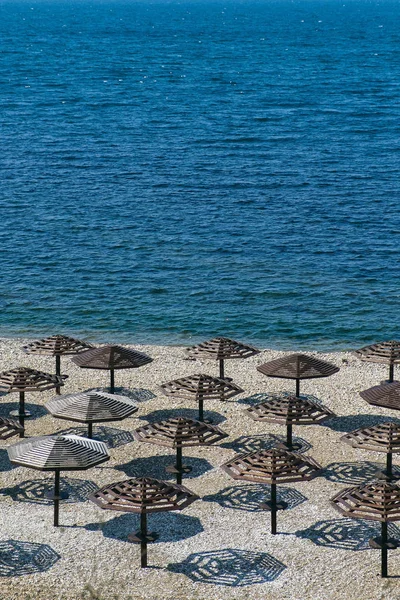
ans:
x=25 y=558
x=34 y=491
x=263 y=441
x=189 y=413
x=111 y=436
x=5 y=464
x=170 y=526
x=351 y=422
x=230 y=567
x=249 y=497
x=36 y=410
x=345 y=534
x=355 y=473
x=138 y=394
x=264 y=396
x=154 y=466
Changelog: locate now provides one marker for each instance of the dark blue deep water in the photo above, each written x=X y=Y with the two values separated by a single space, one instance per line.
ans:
x=176 y=170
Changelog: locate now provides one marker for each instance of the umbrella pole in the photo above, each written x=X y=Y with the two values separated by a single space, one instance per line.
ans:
x=21 y=417
x=297 y=388
x=143 y=541
x=179 y=465
x=221 y=369
x=289 y=436
x=389 y=471
x=112 y=381
x=56 y=497
x=384 y=561
x=273 y=508
x=90 y=430
x=58 y=371
x=201 y=408
x=391 y=372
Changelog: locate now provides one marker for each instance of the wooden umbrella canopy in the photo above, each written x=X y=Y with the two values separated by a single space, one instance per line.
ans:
x=290 y=410
x=57 y=345
x=179 y=432
x=199 y=388
x=58 y=453
x=221 y=349
x=92 y=407
x=386 y=395
x=375 y=501
x=111 y=358
x=9 y=428
x=143 y=495
x=298 y=366
x=272 y=467
x=24 y=380
x=384 y=437
x=387 y=353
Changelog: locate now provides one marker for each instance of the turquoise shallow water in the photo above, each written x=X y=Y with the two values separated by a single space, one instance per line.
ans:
x=173 y=171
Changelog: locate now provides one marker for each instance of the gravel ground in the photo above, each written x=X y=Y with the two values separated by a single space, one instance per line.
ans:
x=219 y=547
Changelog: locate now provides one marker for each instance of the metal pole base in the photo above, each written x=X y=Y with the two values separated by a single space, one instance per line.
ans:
x=24 y=415
x=268 y=505
x=51 y=496
x=376 y=543
x=173 y=469
x=138 y=537
x=290 y=448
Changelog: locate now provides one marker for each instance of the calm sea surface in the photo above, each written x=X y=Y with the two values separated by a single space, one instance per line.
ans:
x=176 y=170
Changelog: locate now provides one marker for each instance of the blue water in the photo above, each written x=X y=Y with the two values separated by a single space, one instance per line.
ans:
x=176 y=170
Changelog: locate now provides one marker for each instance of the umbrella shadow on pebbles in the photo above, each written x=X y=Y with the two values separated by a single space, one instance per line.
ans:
x=352 y=422
x=138 y=394
x=265 y=396
x=171 y=527
x=154 y=466
x=344 y=534
x=36 y=410
x=249 y=497
x=25 y=558
x=230 y=567
x=35 y=490
x=263 y=441
x=5 y=464
x=188 y=413
x=113 y=437
x=355 y=473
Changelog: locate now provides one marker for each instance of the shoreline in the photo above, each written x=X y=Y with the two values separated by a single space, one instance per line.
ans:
x=285 y=347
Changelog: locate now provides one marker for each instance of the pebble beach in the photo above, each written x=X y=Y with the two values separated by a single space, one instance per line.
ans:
x=220 y=547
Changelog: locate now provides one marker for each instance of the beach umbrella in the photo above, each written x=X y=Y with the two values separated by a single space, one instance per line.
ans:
x=386 y=395
x=272 y=467
x=199 y=388
x=178 y=433
x=111 y=358
x=57 y=345
x=221 y=349
x=92 y=407
x=298 y=366
x=24 y=380
x=375 y=501
x=58 y=453
x=290 y=410
x=387 y=353
x=9 y=428
x=384 y=437
x=143 y=496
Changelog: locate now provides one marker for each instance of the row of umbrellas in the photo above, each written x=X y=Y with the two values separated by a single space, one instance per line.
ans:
x=378 y=501
x=289 y=410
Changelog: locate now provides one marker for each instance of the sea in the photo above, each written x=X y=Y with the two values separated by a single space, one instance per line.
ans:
x=176 y=170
